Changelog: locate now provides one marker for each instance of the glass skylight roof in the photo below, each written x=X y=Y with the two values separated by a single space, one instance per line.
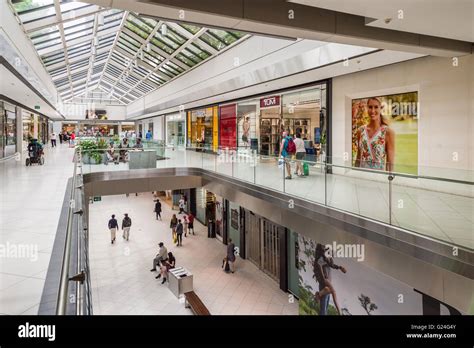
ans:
x=88 y=48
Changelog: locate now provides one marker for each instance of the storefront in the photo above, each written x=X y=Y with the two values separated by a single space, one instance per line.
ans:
x=303 y=112
x=233 y=223
x=127 y=128
x=259 y=122
x=270 y=125
x=247 y=124
x=175 y=129
x=228 y=126
x=69 y=127
x=2 y=130
x=28 y=122
x=43 y=129
x=98 y=129
x=8 y=137
x=266 y=246
x=203 y=128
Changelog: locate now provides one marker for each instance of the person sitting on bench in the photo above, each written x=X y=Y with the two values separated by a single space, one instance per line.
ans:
x=160 y=257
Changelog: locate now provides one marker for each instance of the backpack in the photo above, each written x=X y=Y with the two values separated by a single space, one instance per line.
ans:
x=290 y=146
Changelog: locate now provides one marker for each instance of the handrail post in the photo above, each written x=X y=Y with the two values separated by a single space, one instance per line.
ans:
x=390 y=179
x=325 y=183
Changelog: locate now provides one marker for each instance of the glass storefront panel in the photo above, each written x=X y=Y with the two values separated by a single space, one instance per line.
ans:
x=203 y=128
x=219 y=213
x=10 y=130
x=248 y=124
x=270 y=125
x=303 y=114
x=42 y=129
x=175 y=130
x=201 y=205
x=103 y=130
x=228 y=126
x=28 y=122
x=2 y=130
x=293 y=263
x=233 y=223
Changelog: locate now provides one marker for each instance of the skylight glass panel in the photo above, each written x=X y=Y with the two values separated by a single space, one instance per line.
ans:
x=191 y=28
x=223 y=36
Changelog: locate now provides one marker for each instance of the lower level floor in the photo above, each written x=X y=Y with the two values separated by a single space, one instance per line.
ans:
x=123 y=284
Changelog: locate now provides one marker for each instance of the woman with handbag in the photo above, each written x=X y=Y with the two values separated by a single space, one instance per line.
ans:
x=173 y=224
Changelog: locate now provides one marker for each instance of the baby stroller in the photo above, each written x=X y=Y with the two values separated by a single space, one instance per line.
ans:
x=35 y=154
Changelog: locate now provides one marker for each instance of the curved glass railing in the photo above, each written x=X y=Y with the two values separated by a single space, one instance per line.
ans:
x=441 y=208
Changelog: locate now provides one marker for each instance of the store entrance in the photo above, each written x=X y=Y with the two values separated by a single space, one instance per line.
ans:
x=263 y=244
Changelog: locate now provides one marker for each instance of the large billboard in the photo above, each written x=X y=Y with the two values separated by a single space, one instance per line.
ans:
x=333 y=280
x=385 y=133
x=96 y=114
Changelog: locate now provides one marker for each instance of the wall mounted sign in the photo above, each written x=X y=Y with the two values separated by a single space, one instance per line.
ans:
x=270 y=101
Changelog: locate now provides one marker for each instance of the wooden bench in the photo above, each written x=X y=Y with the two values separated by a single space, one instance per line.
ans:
x=194 y=302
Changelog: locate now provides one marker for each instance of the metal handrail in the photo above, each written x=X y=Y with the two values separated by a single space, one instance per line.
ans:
x=64 y=280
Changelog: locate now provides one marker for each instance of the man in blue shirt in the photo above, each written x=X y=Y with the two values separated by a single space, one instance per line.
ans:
x=113 y=225
x=148 y=135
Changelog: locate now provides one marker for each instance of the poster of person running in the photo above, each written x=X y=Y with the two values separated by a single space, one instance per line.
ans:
x=333 y=281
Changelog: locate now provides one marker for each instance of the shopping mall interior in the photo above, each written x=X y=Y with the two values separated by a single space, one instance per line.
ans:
x=264 y=157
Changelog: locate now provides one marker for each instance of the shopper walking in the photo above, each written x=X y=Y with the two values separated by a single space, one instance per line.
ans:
x=287 y=149
x=173 y=224
x=181 y=205
x=126 y=224
x=179 y=233
x=113 y=225
x=60 y=138
x=158 y=209
x=53 y=139
x=160 y=257
x=300 y=154
x=148 y=135
x=72 y=139
x=185 y=225
x=190 y=222
x=231 y=255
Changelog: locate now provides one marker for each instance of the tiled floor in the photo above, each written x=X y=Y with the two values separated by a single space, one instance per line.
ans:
x=437 y=214
x=123 y=284
x=30 y=205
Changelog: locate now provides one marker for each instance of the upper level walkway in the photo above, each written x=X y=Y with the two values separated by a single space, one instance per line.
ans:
x=30 y=205
x=437 y=208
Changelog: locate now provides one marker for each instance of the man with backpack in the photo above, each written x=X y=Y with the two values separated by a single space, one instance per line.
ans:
x=287 y=150
x=126 y=224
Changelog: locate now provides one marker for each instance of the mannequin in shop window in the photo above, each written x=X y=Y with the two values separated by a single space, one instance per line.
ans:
x=246 y=131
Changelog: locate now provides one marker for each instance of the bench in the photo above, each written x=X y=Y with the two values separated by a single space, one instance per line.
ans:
x=192 y=300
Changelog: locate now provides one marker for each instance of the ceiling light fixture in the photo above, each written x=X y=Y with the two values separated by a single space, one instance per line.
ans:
x=141 y=54
x=100 y=20
x=164 y=30
x=96 y=40
x=148 y=47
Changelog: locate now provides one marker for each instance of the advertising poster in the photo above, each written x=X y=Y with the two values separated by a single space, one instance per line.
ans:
x=385 y=133
x=96 y=114
x=333 y=280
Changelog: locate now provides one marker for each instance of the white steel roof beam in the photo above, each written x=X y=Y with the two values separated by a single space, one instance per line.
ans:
x=68 y=17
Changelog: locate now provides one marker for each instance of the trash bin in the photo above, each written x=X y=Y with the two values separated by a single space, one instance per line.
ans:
x=211 y=229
